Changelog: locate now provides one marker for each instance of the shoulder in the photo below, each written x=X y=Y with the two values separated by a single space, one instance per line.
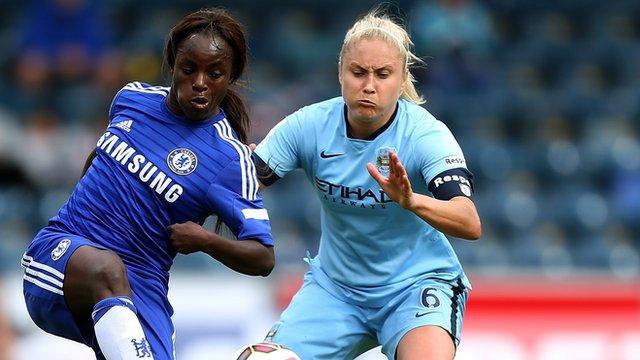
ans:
x=309 y=119
x=227 y=142
x=321 y=111
x=137 y=94
x=142 y=90
x=420 y=122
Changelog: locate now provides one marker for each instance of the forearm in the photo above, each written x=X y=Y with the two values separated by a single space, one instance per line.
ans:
x=456 y=217
x=248 y=257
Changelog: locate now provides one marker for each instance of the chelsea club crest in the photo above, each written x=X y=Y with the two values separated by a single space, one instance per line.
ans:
x=182 y=161
x=60 y=249
x=382 y=159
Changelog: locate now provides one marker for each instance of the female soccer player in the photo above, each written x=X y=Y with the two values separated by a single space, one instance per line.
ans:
x=385 y=273
x=98 y=272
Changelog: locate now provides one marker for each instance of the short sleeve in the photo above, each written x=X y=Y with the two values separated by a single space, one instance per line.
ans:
x=242 y=211
x=116 y=104
x=438 y=151
x=281 y=148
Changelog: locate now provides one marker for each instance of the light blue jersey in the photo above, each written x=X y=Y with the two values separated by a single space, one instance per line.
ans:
x=371 y=248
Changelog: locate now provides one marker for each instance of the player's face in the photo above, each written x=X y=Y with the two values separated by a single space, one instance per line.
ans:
x=371 y=75
x=201 y=76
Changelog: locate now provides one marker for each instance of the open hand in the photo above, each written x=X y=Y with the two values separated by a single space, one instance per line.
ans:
x=397 y=186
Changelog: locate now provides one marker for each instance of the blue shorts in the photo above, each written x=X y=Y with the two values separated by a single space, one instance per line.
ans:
x=44 y=265
x=317 y=324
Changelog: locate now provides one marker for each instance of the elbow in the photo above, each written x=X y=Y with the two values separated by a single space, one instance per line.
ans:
x=471 y=230
x=267 y=268
x=474 y=230
x=263 y=269
x=473 y=226
x=469 y=226
x=267 y=264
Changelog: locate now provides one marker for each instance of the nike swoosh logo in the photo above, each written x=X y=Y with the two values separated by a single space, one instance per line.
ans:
x=326 y=156
x=419 y=314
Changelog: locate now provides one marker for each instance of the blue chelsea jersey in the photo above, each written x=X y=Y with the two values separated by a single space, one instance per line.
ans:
x=152 y=169
x=370 y=246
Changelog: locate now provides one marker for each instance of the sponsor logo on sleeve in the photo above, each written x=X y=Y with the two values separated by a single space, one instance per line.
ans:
x=454 y=160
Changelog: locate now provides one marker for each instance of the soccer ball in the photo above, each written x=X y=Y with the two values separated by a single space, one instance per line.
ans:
x=264 y=351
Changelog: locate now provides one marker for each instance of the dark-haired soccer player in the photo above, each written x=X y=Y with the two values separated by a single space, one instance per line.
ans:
x=98 y=272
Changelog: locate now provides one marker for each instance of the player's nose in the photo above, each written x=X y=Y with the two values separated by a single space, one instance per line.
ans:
x=199 y=84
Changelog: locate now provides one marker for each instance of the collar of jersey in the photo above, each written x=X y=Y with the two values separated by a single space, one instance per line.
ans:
x=377 y=132
x=210 y=121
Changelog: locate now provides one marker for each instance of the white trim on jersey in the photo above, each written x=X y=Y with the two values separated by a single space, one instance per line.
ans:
x=258 y=214
x=137 y=86
x=251 y=169
x=248 y=172
x=54 y=277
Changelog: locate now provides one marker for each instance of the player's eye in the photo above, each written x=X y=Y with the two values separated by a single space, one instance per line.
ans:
x=215 y=75
x=187 y=70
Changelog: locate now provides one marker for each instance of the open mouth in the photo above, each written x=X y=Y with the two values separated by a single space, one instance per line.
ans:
x=199 y=103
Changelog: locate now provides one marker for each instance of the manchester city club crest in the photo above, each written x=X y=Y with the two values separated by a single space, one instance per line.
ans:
x=382 y=159
x=182 y=161
x=60 y=249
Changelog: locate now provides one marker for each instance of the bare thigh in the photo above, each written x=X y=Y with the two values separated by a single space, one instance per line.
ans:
x=426 y=343
x=92 y=275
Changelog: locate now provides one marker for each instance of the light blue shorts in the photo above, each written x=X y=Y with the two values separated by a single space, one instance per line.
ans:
x=319 y=325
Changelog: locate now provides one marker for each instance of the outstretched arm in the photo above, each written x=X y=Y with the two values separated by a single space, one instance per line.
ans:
x=457 y=217
x=246 y=256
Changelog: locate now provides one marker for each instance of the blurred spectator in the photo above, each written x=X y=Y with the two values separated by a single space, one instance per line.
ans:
x=52 y=148
x=63 y=38
x=6 y=335
x=459 y=35
x=444 y=27
x=43 y=145
x=65 y=43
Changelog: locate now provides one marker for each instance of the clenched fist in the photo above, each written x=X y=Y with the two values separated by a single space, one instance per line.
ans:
x=188 y=237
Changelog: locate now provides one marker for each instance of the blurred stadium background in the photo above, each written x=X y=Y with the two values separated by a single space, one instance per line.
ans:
x=543 y=96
